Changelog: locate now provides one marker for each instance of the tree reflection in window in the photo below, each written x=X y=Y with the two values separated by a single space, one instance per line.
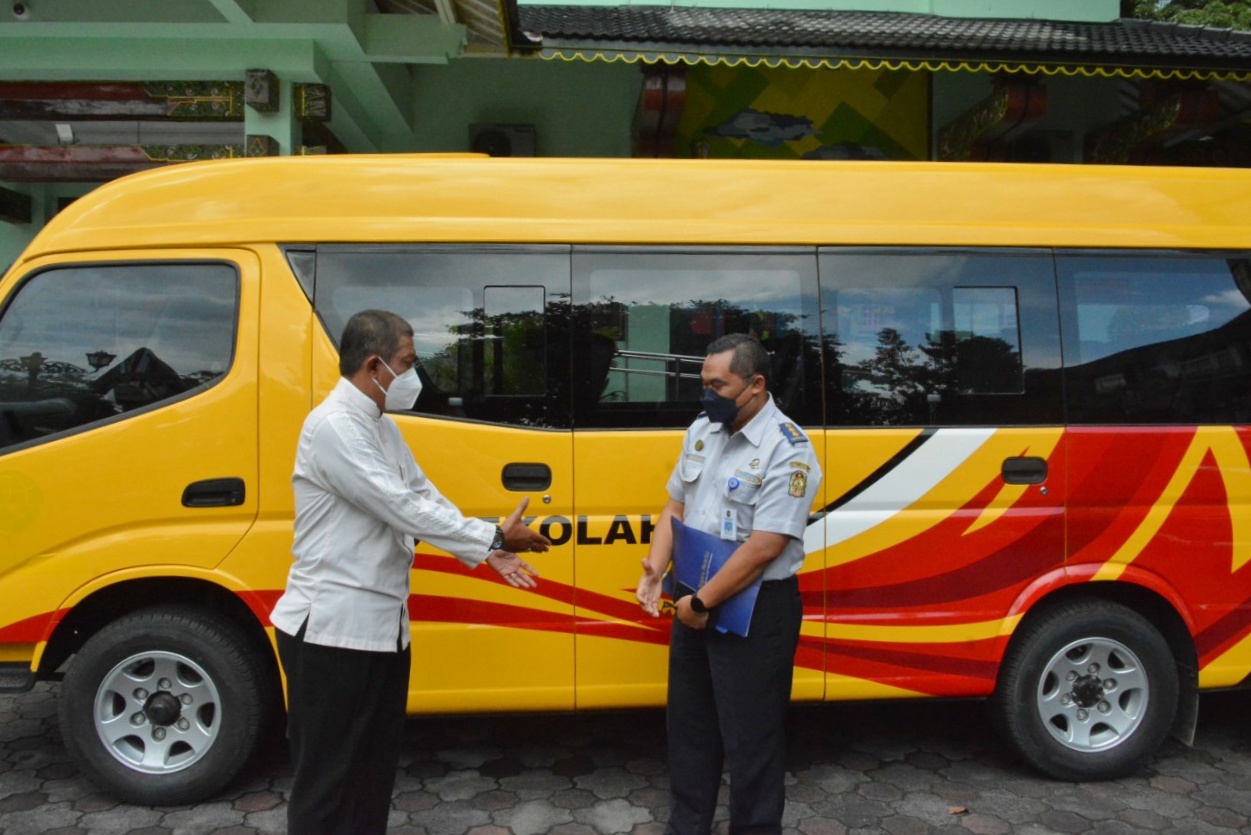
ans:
x=82 y=344
x=903 y=353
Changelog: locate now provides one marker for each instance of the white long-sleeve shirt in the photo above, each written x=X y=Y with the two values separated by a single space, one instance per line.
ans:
x=360 y=502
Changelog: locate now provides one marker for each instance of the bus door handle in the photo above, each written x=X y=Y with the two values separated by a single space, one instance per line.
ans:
x=214 y=492
x=1025 y=469
x=527 y=478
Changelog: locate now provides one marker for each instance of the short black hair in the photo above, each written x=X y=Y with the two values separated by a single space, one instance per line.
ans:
x=369 y=333
x=750 y=357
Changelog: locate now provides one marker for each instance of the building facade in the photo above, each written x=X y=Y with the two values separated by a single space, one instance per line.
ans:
x=92 y=91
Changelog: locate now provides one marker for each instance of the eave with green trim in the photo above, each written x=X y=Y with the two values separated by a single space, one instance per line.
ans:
x=876 y=40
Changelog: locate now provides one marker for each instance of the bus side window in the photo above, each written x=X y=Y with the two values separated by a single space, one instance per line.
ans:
x=643 y=319
x=488 y=323
x=940 y=337
x=84 y=344
x=1157 y=338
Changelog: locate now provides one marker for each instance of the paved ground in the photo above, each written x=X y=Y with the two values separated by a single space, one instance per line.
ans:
x=887 y=768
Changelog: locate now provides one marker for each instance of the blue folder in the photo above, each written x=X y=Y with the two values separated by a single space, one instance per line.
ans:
x=696 y=557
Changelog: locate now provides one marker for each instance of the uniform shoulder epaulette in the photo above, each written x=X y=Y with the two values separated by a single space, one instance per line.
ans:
x=792 y=433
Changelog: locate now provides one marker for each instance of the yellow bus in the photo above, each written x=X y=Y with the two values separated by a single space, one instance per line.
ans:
x=1029 y=387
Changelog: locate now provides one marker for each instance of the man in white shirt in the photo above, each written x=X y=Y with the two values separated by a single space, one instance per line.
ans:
x=361 y=502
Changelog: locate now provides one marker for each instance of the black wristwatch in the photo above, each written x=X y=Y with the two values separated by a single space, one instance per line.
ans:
x=697 y=605
x=498 y=542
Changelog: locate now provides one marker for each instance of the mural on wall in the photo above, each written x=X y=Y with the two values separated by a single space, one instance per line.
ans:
x=782 y=113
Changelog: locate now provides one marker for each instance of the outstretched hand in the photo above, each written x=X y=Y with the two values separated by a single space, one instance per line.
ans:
x=517 y=537
x=516 y=571
x=648 y=592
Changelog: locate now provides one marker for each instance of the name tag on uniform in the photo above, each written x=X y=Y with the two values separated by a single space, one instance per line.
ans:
x=729 y=525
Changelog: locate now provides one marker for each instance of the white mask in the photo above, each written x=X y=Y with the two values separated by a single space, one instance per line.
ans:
x=404 y=390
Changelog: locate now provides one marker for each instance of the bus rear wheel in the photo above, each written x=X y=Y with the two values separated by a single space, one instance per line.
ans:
x=164 y=706
x=1087 y=691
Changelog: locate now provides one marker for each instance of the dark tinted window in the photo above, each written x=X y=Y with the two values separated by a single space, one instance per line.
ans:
x=1157 y=338
x=644 y=318
x=489 y=323
x=83 y=344
x=934 y=338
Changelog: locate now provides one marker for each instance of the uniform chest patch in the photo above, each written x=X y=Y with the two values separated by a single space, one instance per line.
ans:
x=748 y=478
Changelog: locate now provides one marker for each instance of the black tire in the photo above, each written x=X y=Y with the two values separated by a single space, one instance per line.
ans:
x=1088 y=691
x=164 y=706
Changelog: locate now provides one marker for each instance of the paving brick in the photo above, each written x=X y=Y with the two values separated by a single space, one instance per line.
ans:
x=1065 y=821
x=863 y=770
x=1144 y=819
x=41 y=820
x=455 y=818
x=1224 y=797
x=985 y=825
x=607 y=783
x=203 y=816
x=269 y=822
x=22 y=801
x=1173 y=785
x=1090 y=805
x=1222 y=817
x=822 y=826
x=257 y=801
x=536 y=784
x=611 y=816
x=532 y=817
x=905 y=825
x=853 y=811
x=581 y=799
x=120 y=819
x=460 y=785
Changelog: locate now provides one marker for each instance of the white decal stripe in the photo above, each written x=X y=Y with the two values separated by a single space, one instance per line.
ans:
x=915 y=476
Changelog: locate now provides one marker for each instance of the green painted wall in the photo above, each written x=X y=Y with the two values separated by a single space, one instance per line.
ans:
x=15 y=236
x=578 y=109
x=13 y=239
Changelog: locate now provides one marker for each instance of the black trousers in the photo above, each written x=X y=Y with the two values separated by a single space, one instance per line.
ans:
x=728 y=698
x=345 y=721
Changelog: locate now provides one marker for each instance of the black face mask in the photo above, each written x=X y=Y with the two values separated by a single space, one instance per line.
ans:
x=721 y=409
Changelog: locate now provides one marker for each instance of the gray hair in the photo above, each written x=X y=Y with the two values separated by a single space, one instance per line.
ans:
x=367 y=333
x=750 y=357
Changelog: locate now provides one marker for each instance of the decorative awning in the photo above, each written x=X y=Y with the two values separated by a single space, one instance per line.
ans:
x=876 y=40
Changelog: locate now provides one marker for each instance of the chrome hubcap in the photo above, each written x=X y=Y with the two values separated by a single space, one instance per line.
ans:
x=1093 y=694
x=157 y=712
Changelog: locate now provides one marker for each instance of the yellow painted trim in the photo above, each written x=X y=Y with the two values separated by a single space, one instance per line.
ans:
x=1229 y=668
x=1009 y=494
x=38 y=655
x=849 y=688
x=812 y=628
x=947 y=634
x=914 y=65
x=1231 y=458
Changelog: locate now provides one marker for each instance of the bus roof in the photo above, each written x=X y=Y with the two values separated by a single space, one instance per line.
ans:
x=414 y=198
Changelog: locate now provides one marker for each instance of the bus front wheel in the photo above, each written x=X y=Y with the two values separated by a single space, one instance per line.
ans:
x=1087 y=691
x=163 y=706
